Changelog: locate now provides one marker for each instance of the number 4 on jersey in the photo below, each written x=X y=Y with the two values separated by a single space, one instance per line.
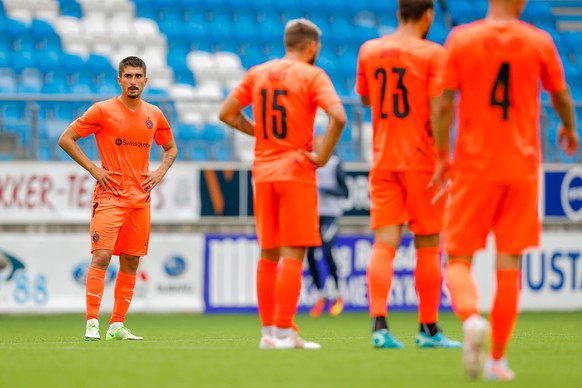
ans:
x=502 y=81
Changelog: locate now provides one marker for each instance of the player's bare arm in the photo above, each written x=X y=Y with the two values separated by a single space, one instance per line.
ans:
x=442 y=110
x=155 y=177
x=365 y=100
x=567 y=135
x=335 y=126
x=68 y=142
x=232 y=115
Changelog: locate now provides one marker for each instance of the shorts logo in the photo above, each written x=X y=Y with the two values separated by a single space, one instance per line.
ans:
x=118 y=142
x=95 y=238
x=149 y=123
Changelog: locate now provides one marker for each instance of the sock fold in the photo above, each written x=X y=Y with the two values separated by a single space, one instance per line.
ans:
x=379 y=276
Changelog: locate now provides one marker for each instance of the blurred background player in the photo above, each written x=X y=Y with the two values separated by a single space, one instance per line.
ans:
x=399 y=77
x=496 y=164
x=285 y=94
x=331 y=186
x=124 y=128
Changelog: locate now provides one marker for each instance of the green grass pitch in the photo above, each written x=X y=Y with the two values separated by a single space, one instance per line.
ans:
x=222 y=350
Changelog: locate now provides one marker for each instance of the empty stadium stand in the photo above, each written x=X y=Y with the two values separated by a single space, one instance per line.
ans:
x=58 y=56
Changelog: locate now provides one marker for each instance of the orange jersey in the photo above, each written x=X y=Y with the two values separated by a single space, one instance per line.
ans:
x=498 y=69
x=124 y=139
x=400 y=75
x=285 y=95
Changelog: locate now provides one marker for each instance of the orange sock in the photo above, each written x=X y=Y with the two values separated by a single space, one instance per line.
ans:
x=266 y=281
x=94 y=291
x=379 y=277
x=504 y=312
x=123 y=293
x=462 y=288
x=428 y=283
x=287 y=292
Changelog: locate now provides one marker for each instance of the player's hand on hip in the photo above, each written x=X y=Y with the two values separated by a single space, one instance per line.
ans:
x=105 y=179
x=152 y=180
x=313 y=158
x=439 y=179
x=568 y=140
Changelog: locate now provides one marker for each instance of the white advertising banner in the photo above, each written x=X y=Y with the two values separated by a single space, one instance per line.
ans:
x=61 y=193
x=551 y=276
x=45 y=273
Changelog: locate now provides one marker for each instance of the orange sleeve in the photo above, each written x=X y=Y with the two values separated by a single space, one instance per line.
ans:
x=163 y=132
x=436 y=70
x=90 y=122
x=361 y=81
x=451 y=69
x=323 y=92
x=244 y=91
x=553 y=79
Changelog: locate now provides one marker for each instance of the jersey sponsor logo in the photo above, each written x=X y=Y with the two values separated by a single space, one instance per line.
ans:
x=571 y=194
x=131 y=143
x=149 y=123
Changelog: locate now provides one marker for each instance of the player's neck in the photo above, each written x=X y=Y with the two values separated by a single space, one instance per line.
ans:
x=130 y=103
x=409 y=29
x=501 y=14
x=295 y=56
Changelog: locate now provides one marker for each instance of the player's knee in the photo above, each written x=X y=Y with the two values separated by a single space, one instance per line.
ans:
x=101 y=258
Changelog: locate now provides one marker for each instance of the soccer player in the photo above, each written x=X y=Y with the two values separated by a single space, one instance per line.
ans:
x=124 y=128
x=285 y=94
x=331 y=186
x=497 y=65
x=399 y=77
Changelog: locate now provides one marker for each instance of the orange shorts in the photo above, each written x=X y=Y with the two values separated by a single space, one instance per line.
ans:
x=286 y=214
x=121 y=229
x=398 y=197
x=478 y=206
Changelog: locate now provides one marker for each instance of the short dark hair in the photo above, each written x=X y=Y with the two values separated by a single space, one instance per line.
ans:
x=132 y=62
x=413 y=10
x=299 y=33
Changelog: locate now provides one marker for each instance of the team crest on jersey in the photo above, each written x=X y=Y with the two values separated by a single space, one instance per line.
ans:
x=149 y=123
x=95 y=238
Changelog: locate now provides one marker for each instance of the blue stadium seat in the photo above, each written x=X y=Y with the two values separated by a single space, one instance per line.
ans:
x=7 y=81
x=72 y=63
x=23 y=60
x=14 y=29
x=50 y=61
x=253 y=55
x=70 y=8
x=539 y=11
x=81 y=83
x=55 y=82
x=98 y=64
x=221 y=151
x=214 y=132
x=196 y=150
x=30 y=81
x=42 y=31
